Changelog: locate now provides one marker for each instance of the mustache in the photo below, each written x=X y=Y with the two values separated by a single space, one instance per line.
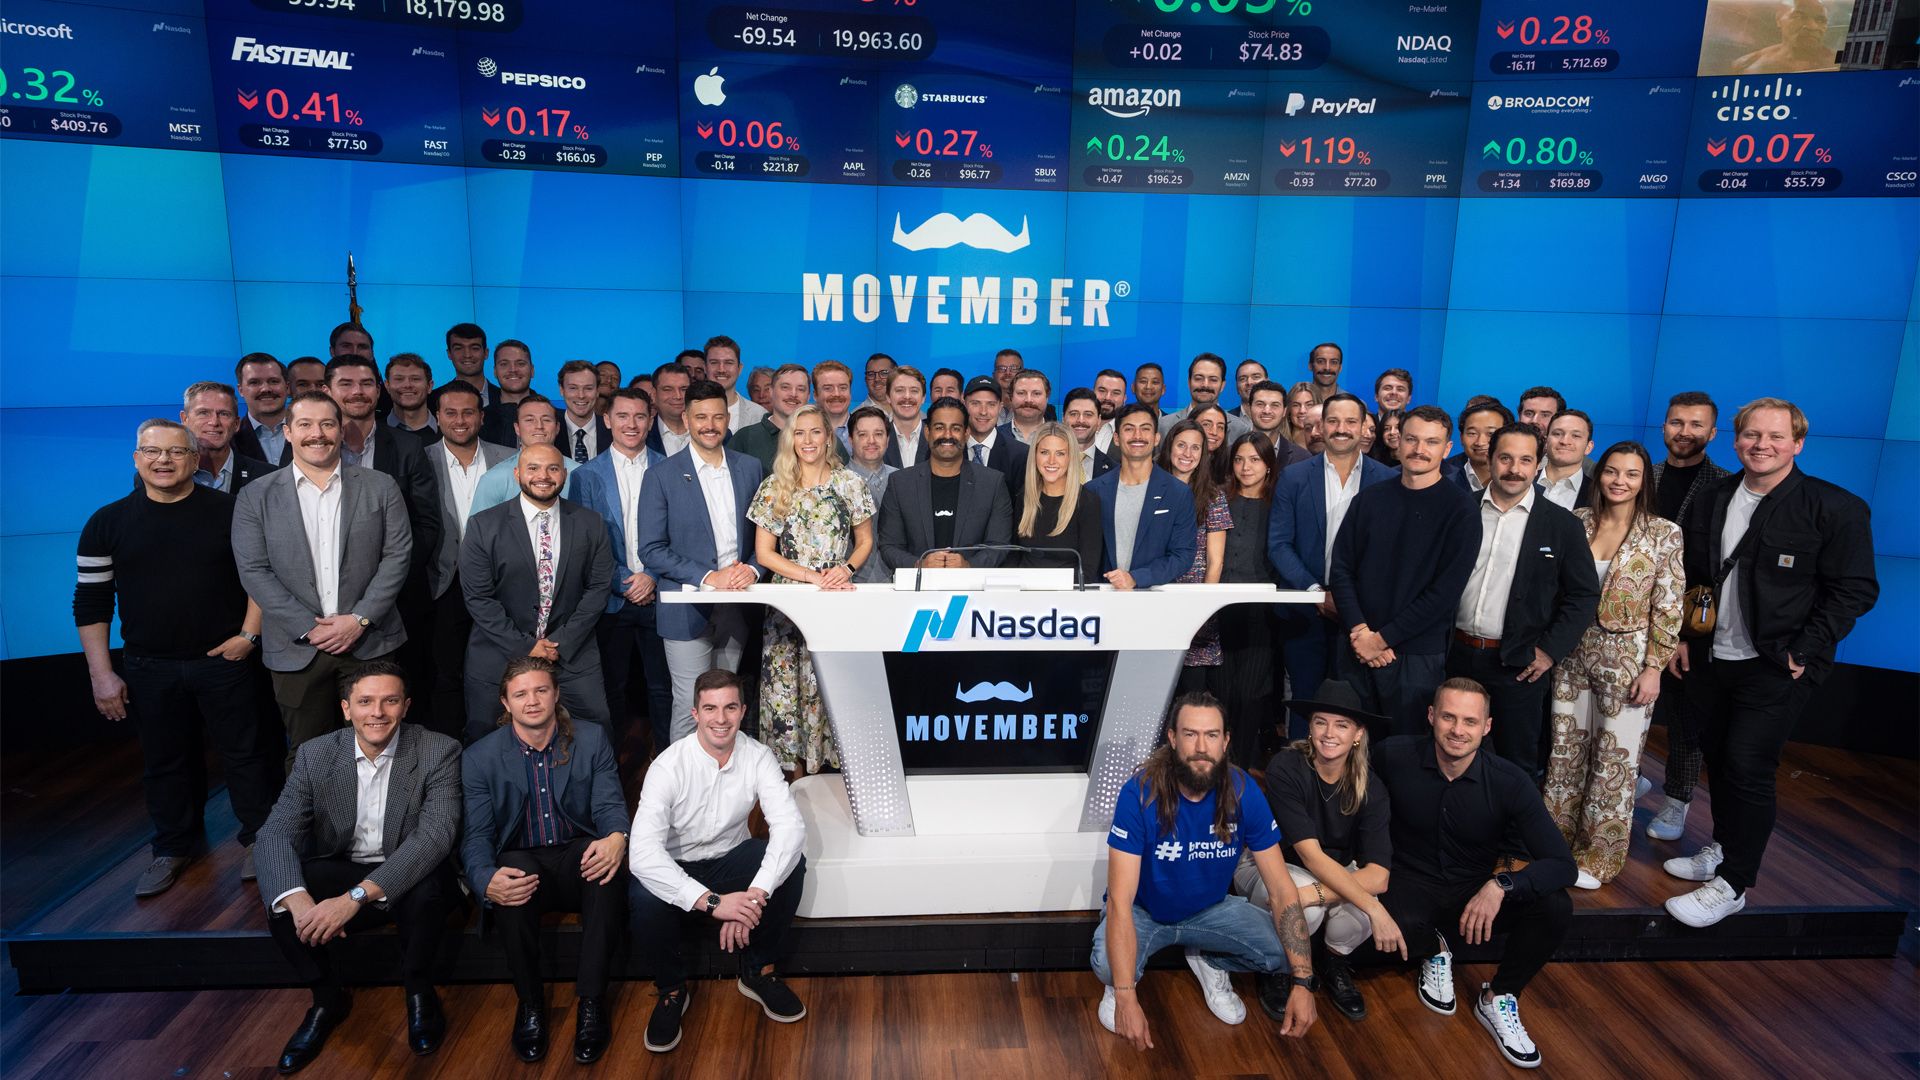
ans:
x=944 y=230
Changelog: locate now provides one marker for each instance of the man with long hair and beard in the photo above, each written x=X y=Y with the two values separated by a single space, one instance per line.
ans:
x=1178 y=829
x=546 y=830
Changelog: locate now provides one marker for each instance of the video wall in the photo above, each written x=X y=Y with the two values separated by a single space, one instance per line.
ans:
x=1622 y=199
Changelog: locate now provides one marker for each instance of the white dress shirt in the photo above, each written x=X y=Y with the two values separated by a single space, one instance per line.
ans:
x=531 y=512
x=985 y=445
x=692 y=808
x=1483 y=605
x=462 y=482
x=628 y=473
x=320 y=517
x=369 y=810
x=1339 y=496
x=1564 y=491
x=1103 y=438
x=716 y=483
x=909 y=445
x=672 y=443
x=591 y=440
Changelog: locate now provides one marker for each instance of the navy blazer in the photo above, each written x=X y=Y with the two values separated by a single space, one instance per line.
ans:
x=596 y=487
x=1297 y=527
x=493 y=783
x=1165 y=541
x=676 y=538
x=602 y=436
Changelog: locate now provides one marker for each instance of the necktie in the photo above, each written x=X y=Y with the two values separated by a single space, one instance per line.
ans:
x=979 y=454
x=580 y=445
x=543 y=521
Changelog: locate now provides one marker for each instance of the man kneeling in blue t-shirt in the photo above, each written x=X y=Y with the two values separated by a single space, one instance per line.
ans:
x=1176 y=837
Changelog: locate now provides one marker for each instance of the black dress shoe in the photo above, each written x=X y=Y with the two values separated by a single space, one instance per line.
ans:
x=311 y=1035
x=426 y=1024
x=1336 y=977
x=591 y=1033
x=530 y=1032
x=1273 y=991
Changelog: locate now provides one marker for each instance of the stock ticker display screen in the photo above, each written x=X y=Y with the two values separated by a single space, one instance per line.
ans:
x=1696 y=98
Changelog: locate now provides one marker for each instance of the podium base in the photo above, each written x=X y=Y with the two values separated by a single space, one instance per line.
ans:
x=981 y=844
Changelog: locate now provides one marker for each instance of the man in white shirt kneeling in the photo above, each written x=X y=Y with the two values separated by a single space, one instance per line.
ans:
x=693 y=855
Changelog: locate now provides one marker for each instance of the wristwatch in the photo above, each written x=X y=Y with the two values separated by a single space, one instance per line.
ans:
x=1309 y=983
x=358 y=895
x=1504 y=880
x=252 y=639
x=362 y=620
x=713 y=901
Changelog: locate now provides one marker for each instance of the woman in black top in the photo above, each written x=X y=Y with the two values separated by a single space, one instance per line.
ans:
x=1335 y=818
x=1246 y=630
x=1056 y=510
x=1386 y=438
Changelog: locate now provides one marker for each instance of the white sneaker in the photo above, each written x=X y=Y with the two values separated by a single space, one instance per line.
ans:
x=1699 y=866
x=1108 y=1004
x=1436 y=980
x=1217 y=987
x=1501 y=1018
x=1640 y=789
x=1586 y=881
x=1670 y=822
x=1707 y=904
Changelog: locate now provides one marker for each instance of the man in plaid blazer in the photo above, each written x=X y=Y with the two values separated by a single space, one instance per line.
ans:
x=360 y=837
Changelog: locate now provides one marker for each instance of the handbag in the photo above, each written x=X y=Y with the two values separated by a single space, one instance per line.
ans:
x=1700 y=607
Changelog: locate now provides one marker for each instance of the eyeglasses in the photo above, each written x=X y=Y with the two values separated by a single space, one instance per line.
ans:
x=154 y=453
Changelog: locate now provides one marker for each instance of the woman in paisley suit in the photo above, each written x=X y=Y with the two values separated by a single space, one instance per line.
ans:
x=1604 y=691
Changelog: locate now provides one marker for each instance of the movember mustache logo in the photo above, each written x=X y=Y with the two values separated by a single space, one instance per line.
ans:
x=944 y=230
x=993 y=691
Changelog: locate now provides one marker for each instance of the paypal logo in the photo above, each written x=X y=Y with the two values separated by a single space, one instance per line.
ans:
x=993 y=691
x=926 y=622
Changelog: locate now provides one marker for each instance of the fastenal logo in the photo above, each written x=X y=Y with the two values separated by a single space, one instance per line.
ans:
x=930 y=623
x=944 y=230
x=1755 y=99
x=252 y=51
x=1129 y=102
x=1168 y=850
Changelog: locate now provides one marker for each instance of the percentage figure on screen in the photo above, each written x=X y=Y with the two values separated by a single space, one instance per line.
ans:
x=580 y=132
x=316 y=106
x=1328 y=151
x=1135 y=148
x=754 y=134
x=57 y=86
x=93 y=97
x=1555 y=30
x=946 y=142
x=1776 y=149
x=1299 y=7
x=1547 y=150
x=352 y=117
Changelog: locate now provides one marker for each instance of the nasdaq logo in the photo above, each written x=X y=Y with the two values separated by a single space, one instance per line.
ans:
x=927 y=621
x=1755 y=99
x=1130 y=102
x=944 y=230
x=252 y=51
x=936 y=625
x=1422 y=48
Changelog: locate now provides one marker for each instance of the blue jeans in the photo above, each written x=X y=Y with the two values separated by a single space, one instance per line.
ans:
x=1232 y=934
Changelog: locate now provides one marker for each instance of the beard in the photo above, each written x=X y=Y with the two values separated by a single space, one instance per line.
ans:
x=1194 y=780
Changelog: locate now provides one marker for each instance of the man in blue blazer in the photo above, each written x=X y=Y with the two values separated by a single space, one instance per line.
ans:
x=689 y=539
x=546 y=830
x=1159 y=545
x=609 y=485
x=1300 y=531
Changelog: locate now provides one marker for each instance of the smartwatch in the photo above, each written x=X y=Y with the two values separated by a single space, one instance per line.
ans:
x=1309 y=983
x=252 y=639
x=1504 y=880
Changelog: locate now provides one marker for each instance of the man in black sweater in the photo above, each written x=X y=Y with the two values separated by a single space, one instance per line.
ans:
x=1454 y=811
x=1792 y=558
x=164 y=551
x=1399 y=563
x=1531 y=594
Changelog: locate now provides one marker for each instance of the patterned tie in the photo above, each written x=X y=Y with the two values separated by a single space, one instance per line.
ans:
x=541 y=520
x=979 y=454
x=580 y=445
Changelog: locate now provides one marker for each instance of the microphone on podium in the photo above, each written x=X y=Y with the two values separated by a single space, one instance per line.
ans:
x=1080 y=583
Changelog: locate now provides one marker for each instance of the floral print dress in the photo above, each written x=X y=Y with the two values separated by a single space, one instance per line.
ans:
x=817 y=532
x=1205 y=650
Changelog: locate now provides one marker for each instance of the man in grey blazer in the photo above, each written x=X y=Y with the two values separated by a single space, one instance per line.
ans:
x=360 y=837
x=457 y=461
x=536 y=572
x=323 y=547
x=945 y=502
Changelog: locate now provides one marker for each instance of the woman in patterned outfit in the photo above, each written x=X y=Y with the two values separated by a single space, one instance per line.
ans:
x=815 y=527
x=1183 y=452
x=1604 y=691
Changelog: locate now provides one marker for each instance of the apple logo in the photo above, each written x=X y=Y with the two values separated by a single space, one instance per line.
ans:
x=706 y=88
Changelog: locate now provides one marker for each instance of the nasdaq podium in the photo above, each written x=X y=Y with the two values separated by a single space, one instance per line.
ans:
x=986 y=720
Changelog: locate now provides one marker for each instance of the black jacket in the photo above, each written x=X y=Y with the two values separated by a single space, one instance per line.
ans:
x=1810 y=575
x=400 y=455
x=1555 y=590
x=247 y=445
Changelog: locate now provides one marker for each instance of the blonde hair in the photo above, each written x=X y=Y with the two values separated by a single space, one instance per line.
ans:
x=1796 y=419
x=1030 y=497
x=1353 y=773
x=786 y=465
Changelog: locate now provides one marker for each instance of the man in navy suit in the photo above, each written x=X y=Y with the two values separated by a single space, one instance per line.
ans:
x=1472 y=467
x=610 y=485
x=1147 y=515
x=1309 y=501
x=546 y=830
x=694 y=531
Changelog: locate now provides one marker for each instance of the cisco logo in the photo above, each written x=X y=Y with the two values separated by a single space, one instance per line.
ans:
x=1749 y=99
x=488 y=69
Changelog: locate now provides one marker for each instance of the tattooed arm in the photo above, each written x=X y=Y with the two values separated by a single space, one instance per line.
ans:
x=1291 y=924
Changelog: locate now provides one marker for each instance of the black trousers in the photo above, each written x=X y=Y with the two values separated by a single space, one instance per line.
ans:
x=1519 y=708
x=451 y=626
x=1748 y=710
x=561 y=889
x=167 y=701
x=415 y=608
x=621 y=634
x=1401 y=691
x=1533 y=927
x=420 y=915
x=657 y=923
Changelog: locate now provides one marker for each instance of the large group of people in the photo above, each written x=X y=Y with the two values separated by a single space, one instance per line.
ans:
x=469 y=577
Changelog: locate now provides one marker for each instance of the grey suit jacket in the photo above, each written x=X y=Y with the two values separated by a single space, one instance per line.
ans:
x=501 y=580
x=314 y=816
x=447 y=559
x=984 y=515
x=276 y=565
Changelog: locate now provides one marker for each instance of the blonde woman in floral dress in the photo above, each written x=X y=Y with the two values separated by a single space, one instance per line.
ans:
x=815 y=527
x=1604 y=691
